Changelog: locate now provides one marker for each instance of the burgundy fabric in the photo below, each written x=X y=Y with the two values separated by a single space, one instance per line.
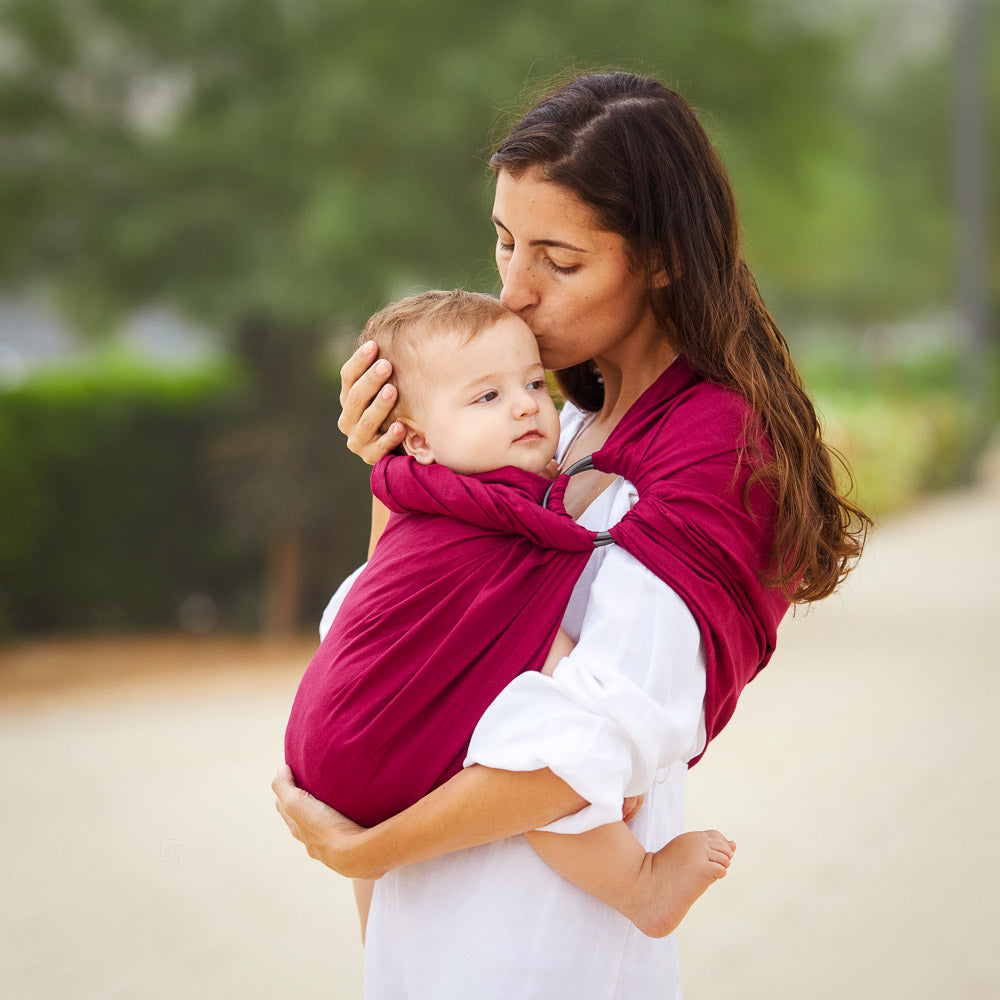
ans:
x=465 y=590
x=680 y=446
x=470 y=580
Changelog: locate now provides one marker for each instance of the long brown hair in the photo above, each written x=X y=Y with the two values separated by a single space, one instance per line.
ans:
x=635 y=152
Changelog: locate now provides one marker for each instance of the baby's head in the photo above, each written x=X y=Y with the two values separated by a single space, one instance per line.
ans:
x=472 y=390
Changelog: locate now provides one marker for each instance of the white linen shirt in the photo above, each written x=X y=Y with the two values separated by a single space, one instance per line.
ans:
x=622 y=715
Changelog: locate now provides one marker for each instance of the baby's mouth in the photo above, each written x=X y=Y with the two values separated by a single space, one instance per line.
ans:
x=531 y=435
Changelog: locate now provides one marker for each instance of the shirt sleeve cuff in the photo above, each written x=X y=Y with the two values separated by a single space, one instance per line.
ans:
x=595 y=730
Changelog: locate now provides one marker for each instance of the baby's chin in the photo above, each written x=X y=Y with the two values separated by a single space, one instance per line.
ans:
x=540 y=465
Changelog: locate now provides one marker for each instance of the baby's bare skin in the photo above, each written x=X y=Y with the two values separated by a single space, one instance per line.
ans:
x=654 y=890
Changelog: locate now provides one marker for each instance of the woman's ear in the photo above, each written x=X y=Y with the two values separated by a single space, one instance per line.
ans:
x=669 y=269
x=416 y=445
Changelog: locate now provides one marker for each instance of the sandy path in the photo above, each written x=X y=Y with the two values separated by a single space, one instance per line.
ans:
x=861 y=781
x=143 y=860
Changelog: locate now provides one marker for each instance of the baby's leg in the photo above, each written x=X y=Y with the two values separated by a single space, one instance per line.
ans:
x=654 y=891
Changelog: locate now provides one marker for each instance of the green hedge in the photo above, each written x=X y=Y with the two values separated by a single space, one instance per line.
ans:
x=112 y=515
x=907 y=428
x=107 y=515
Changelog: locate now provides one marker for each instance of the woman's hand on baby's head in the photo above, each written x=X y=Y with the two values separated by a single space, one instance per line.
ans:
x=366 y=397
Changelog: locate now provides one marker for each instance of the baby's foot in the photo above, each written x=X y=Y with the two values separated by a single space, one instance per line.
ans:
x=677 y=875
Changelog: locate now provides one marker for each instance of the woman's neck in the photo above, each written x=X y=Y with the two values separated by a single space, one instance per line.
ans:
x=627 y=376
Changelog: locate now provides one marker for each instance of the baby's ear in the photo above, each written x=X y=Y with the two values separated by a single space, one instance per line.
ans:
x=415 y=444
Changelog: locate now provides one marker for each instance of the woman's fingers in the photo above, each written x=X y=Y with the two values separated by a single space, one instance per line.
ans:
x=356 y=366
x=293 y=827
x=326 y=834
x=284 y=788
x=366 y=399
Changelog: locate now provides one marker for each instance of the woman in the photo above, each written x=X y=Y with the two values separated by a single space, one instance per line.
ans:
x=618 y=244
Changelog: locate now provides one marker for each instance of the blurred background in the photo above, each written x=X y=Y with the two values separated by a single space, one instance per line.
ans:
x=201 y=204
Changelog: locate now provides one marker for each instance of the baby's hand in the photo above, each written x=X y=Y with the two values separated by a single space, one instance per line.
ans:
x=561 y=646
x=631 y=806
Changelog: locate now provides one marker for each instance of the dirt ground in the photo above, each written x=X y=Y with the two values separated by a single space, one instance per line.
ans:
x=143 y=857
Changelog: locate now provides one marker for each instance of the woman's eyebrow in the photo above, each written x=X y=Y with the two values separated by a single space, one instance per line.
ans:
x=544 y=242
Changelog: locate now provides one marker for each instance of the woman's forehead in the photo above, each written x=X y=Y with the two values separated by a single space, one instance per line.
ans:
x=545 y=212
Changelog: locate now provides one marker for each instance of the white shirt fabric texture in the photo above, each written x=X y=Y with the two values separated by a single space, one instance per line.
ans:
x=622 y=715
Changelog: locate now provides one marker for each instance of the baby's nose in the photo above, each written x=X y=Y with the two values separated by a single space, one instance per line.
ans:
x=525 y=404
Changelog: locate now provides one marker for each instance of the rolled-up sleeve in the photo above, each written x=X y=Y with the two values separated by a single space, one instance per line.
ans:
x=625 y=703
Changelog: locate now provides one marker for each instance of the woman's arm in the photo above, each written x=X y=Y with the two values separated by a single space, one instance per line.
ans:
x=626 y=702
x=605 y=735
x=477 y=806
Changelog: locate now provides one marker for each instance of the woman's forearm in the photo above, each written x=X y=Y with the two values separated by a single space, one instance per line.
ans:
x=477 y=806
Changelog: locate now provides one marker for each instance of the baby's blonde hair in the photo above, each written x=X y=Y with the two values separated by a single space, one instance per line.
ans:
x=403 y=331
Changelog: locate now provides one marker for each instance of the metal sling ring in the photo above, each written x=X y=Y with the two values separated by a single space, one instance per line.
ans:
x=584 y=465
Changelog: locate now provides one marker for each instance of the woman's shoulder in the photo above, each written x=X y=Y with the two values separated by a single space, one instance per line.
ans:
x=704 y=407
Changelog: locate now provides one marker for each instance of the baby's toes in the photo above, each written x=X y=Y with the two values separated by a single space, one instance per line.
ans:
x=717 y=842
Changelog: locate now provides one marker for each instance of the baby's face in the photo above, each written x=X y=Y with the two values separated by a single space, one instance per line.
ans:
x=487 y=404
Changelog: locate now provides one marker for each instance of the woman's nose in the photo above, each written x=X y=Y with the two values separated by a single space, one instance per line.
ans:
x=518 y=286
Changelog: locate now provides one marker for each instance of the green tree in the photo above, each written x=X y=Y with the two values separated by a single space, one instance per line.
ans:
x=289 y=165
x=307 y=159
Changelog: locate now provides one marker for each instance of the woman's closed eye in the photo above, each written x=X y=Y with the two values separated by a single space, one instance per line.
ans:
x=559 y=269
x=507 y=249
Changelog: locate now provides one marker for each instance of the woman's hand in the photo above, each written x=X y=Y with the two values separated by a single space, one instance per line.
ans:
x=328 y=836
x=366 y=399
x=476 y=806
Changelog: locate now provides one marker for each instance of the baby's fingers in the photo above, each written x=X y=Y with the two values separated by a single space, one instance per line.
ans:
x=631 y=806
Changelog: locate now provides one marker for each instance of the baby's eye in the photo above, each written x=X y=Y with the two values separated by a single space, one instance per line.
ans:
x=538 y=383
x=488 y=397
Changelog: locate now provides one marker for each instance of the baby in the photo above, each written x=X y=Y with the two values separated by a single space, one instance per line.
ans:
x=383 y=714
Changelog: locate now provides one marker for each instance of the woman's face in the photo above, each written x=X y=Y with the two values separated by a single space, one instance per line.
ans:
x=568 y=279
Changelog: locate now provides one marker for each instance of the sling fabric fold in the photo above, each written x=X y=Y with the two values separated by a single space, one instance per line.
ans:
x=468 y=584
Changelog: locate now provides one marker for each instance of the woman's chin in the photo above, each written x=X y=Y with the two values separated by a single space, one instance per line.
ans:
x=555 y=360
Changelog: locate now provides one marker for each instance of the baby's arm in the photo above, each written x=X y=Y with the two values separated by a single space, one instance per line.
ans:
x=562 y=646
